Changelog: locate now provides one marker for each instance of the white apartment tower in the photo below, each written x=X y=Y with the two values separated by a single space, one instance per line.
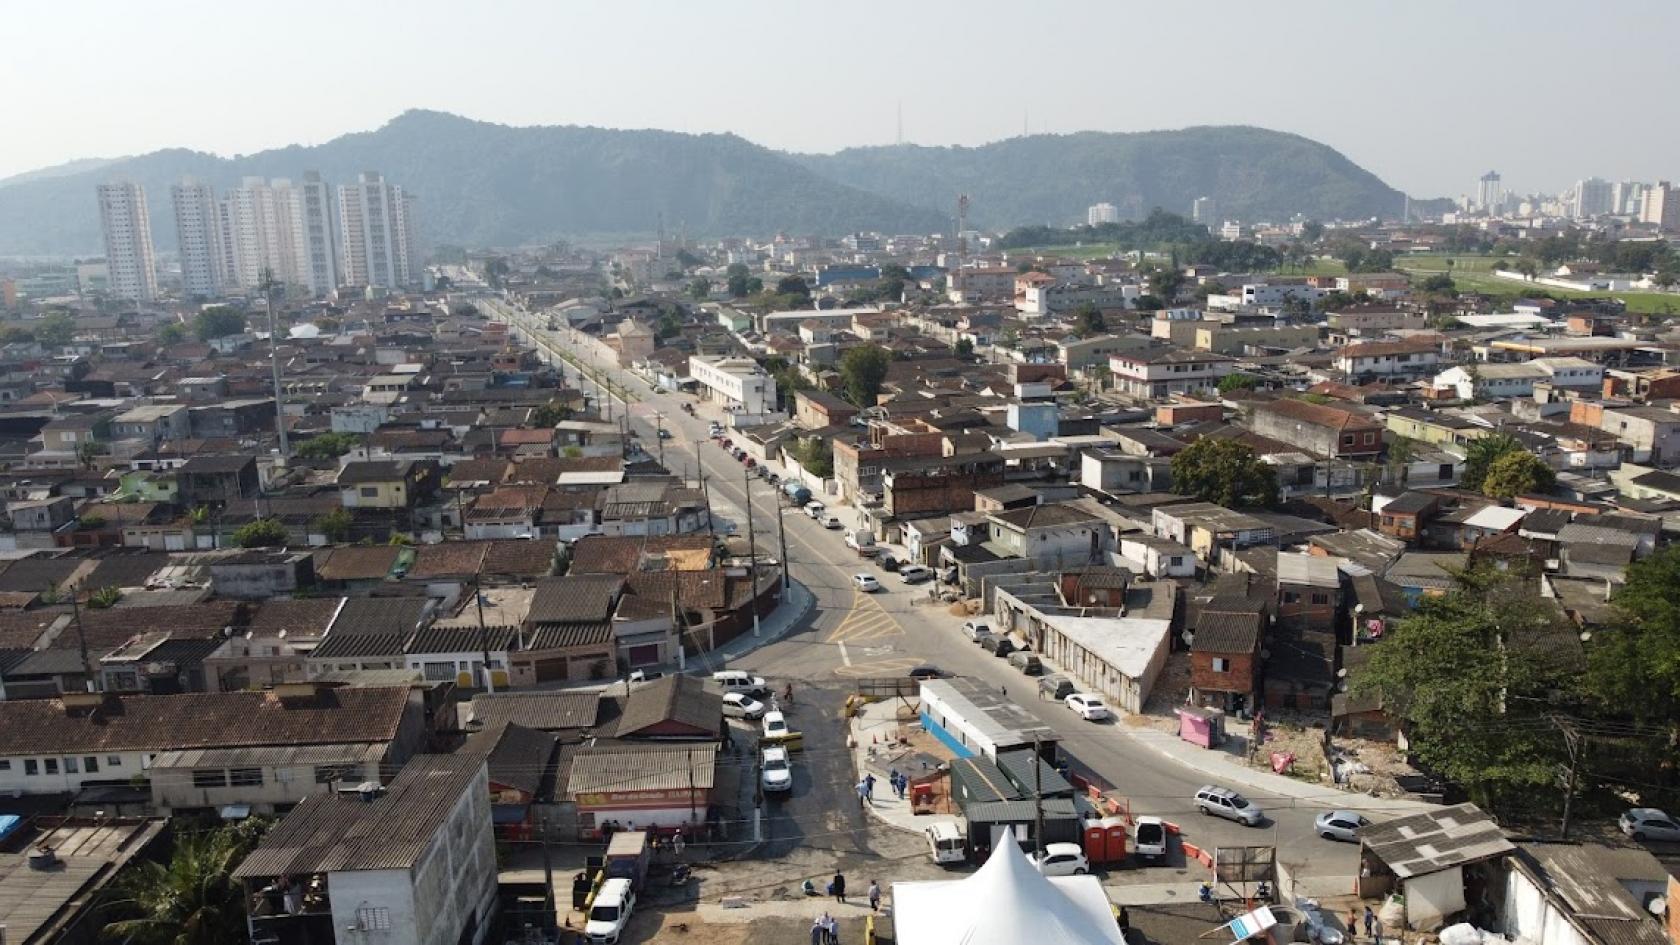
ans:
x=1203 y=211
x=264 y=222
x=128 y=240
x=318 y=254
x=198 y=231
x=1592 y=198
x=1659 y=204
x=1102 y=213
x=376 y=230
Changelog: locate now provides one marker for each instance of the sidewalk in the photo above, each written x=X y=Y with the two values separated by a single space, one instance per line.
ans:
x=872 y=732
x=1220 y=767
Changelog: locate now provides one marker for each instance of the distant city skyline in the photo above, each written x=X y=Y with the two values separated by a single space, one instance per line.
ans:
x=1408 y=91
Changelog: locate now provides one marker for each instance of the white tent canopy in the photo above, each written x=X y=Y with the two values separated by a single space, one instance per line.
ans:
x=1006 y=902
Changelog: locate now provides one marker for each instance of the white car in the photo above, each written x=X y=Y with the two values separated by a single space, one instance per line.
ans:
x=776 y=773
x=1648 y=823
x=610 y=911
x=731 y=680
x=866 y=583
x=831 y=522
x=914 y=574
x=739 y=705
x=976 y=630
x=1089 y=705
x=1224 y=802
x=1062 y=859
x=1149 y=838
x=775 y=725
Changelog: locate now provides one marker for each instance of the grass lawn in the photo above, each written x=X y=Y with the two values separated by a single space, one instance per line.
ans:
x=1475 y=274
x=1437 y=262
x=1085 y=251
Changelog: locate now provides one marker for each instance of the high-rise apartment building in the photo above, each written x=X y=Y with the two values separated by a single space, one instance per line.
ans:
x=1592 y=198
x=198 y=232
x=1627 y=197
x=1102 y=213
x=265 y=223
x=1204 y=211
x=1660 y=204
x=318 y=253
x=128 y=241
x=376 y=228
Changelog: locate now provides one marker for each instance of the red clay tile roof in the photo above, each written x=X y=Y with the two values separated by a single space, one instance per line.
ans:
x=1334 y=418
x=355 y=564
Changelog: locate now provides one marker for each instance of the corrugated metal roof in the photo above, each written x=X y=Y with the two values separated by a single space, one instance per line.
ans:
x=279 y=755
x=330 y=833
x=619 y=768
x=547 y=711
x=1435 y=840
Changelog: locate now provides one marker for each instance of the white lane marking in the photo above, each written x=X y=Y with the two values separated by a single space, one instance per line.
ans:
x=844 y=656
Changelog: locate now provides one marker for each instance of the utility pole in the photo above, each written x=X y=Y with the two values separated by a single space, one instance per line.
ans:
x=659 y=434
x=483 y=636
x=1038 y=794
x=1571 y=739
x=691 y=788
x=268 y=287
x=93 y=683
x=781 y=530
x=752 y=550
x=705 y=494
x=548 y=873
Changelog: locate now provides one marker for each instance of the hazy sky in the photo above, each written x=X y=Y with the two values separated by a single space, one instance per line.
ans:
x=1428 y=94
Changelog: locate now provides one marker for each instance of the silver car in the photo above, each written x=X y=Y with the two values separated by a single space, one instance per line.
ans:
x=1648 y=823
x=1224 y=802
x=1343 y=825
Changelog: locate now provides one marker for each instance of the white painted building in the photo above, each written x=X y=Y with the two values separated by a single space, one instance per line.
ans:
x=377 y=243
x=1158 y=373
x=412 y=862
x=1492 y=381
x=1052 y=298
x=1102 y=213
x=740 y=384
x=317 y=257
x=130 y=262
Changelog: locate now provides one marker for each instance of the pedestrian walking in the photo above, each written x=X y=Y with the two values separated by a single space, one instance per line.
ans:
x=1376 y=935
x=863 y=794
x=831 y=926
x=869 y=787
x=1370 y=923
x=839 y=887
x=1352 y=923
x=677 y=844
x=819 y=930
x=874 y=896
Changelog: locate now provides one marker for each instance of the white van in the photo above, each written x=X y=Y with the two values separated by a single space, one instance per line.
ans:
x=610 y=911
x=946 y=842
x=733 y=680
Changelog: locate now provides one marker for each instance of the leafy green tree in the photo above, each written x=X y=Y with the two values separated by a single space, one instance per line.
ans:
x=794 y=286
x=550 y=414
x=105 y=598
x=1227 y=472
x=1312 y=230
x=55 y=330
x=1148 y=303
x=1634 y=662
x=863 y=369
x=1164 y=282
x=817 y=456
x=262 y=533
x=688 y=259
x=755 y=285
x=1439 y=283
x=192 y=899
x=1517 y=473
x=700 y=289
x=335 y=525
x=736 y=277
x=669 y=326
x=218 y=321
x=324 y=446
x=1088 y=320
x=1472 y=674
x=1480 y=454
x=15 y=334
x=1236 y=382
x=172 y=333
x=964 y=348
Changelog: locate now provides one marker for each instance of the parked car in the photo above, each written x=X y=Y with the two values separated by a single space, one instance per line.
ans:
x=866 y=583
x=926 y=671
x=831 y=522
x=1223 y=802
x=1648 y=823
x=914 y=574
x=1149 y=838
x=645 y=675
x=775 y=772
x=1056 y=687
x=946 y=842
x=888 y=562
x=608 y=914
x=1026 y=662
x=739 y=705
x=775 y=725
x=727 y=443
x=975 y=629
x=733 y=680
x=1339 y=825
x=998 y=646
x=1062 y=859
x=664 y=434
x=1089 y=705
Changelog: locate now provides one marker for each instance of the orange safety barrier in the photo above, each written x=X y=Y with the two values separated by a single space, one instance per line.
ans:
x=1172 y=828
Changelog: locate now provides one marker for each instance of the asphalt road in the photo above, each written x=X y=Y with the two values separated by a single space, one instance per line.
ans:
x=851 y=635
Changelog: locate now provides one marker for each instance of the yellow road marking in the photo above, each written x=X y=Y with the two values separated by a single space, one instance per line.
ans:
x=867 y=620
x=886 y=667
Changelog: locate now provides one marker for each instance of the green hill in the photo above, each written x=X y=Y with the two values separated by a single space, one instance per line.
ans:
x=1251 y=173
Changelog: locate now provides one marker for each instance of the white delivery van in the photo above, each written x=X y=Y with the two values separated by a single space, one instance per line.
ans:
x=610 y=912
x=946 y=842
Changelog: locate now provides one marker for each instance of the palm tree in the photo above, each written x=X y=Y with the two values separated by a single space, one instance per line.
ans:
x=191 y=900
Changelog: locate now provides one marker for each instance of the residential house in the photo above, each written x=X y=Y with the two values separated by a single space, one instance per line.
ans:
x=217 y=479
x=1225 y=656
x=1491 y=381
x=1159 y=373
x=413 y=861
x=568 y=633
x=1115 y=472
x=817 y=410
x=387 y=483
x=1211 y=531
x=370 y=633
x=1053 y=537
x=1412 y=357
x=913 y=487
x=1334 y=432
x=273 y=646
x=1309 y=592
x=1405 y=517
